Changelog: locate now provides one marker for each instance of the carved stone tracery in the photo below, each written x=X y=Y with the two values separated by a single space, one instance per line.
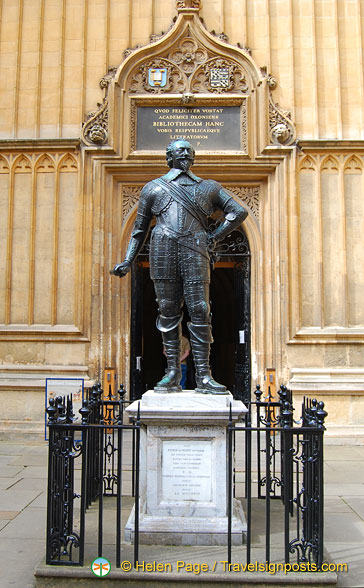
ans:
x=4 y=165
x=175 y=80
x=249 y=195
x=189 y=55
x=95 y=127
x=236 y=79
x=130 y=196
x=189 y=69
x=281 y=128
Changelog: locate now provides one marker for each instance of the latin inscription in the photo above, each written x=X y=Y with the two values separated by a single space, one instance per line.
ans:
x=207 y=128
x=186 y=470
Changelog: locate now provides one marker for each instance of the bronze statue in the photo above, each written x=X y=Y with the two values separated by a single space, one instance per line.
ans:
x=180 y=248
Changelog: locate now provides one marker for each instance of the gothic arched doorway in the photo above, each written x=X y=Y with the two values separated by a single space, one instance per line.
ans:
x=230 y=306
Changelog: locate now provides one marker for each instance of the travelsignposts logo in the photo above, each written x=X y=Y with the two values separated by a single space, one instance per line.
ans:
x=101 y=567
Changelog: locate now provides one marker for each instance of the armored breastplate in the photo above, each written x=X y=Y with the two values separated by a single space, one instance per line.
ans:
x=203 y=196
x=179 y=219
x=161 y=200
x=174 y=215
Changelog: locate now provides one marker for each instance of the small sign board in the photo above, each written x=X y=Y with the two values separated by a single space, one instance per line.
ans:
x=64 y=387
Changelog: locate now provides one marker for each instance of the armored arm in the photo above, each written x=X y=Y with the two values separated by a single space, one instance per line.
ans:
x=139 y=234
x=234 y=216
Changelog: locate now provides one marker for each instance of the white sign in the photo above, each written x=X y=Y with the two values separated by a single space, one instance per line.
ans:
x=241 y=337
x=187 y=470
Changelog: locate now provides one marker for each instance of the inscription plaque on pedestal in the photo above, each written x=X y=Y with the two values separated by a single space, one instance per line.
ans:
x=186 y=470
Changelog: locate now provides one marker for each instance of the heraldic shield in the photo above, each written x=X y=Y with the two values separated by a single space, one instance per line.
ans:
x=157 y=77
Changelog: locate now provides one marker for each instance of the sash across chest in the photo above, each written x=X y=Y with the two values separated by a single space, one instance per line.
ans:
x=183 y=198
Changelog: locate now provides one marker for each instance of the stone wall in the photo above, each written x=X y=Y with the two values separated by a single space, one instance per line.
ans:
x=42 y=332
x=59 y=231
x=54 y=53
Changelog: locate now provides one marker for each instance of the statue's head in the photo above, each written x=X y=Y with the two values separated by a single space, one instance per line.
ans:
x=180 y=154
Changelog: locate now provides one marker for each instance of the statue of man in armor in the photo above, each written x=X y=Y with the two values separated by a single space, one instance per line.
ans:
x=180 y=248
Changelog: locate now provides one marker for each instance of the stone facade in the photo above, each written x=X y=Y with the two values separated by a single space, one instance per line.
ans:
x=66 y=191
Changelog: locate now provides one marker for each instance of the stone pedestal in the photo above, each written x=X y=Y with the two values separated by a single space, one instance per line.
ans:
x=183 y=469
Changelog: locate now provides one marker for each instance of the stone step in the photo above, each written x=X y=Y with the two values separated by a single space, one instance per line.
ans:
x=180 y=567
x=69 y=577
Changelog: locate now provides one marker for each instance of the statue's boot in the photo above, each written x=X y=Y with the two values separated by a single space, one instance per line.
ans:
x=201 y=338
x=170 y=328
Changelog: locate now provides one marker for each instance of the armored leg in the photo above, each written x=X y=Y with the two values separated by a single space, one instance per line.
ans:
x=196 y=295
x=170 y=301
x=170 y=328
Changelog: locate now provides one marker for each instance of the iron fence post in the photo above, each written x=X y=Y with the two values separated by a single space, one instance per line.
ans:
x=258 y=394
x=136 y=515
x=268 y=484
x=248 y=482
x=321 y=415
x=230 y=479
x=287 y=456
x=83 y=493
x=101 y=493
x=118 y=487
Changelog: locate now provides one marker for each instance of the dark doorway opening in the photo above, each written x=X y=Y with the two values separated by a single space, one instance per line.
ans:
x=230 y=306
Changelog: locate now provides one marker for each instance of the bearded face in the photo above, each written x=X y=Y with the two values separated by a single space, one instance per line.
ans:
x=183 y=155
x=185 y=163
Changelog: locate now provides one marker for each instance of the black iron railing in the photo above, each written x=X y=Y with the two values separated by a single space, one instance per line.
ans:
x=95 y=445
x=86 y=461
x=289 y=465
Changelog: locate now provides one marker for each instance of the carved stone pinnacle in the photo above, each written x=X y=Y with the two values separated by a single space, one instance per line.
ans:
x=185 y=4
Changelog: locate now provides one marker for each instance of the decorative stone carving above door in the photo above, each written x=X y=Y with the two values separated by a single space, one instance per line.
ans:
x=188 y=67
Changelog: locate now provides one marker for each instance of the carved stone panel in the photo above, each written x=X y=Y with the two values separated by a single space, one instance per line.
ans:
x=130 y=196
x=194 y=68
x=220 y=75
x=190 y=68
x=249 y=195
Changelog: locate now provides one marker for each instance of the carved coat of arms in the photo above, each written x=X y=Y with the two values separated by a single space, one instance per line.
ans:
x=157 y=77
x=219 y=77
